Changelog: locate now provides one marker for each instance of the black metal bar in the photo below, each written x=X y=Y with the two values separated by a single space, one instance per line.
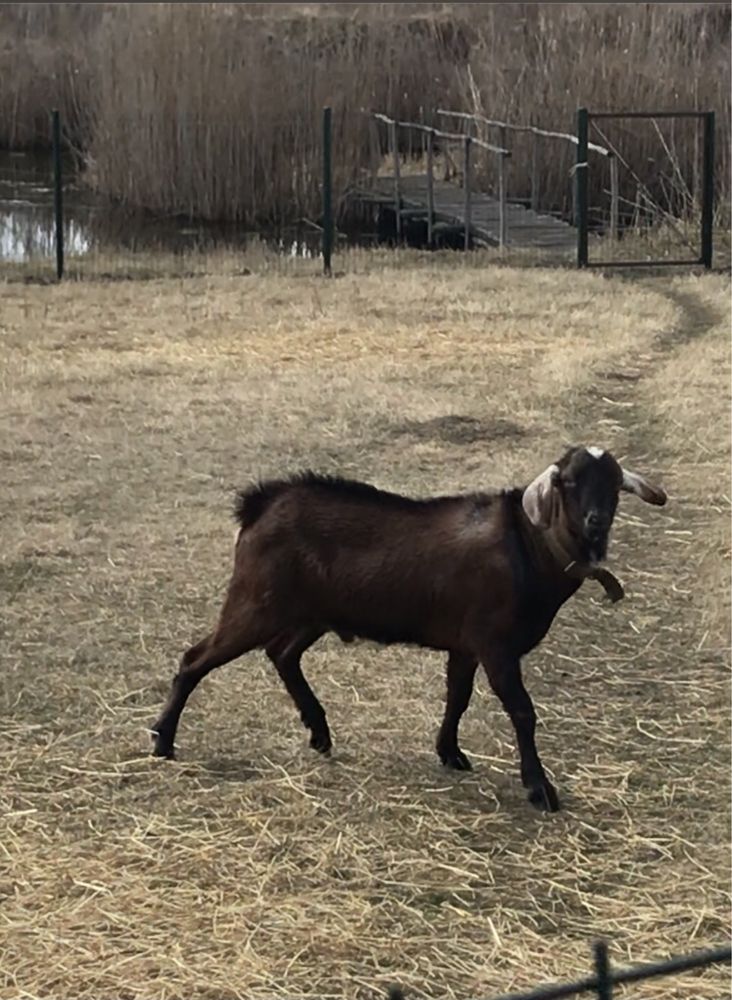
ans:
x=590 y=984
x=556 y=992
x=466 y=187
x=643 y=263
x=707 y=217
x=580 y=180
x=397 y=180
x=430 y=187
x=327 y=191
x=602 y=972
x=696 y=961
x=647 y=114
x=58 y=206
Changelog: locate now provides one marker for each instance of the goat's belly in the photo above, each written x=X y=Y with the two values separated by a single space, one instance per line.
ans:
x=386 y=608
x=387 y=634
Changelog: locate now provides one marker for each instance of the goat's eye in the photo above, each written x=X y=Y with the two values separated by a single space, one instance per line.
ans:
x=569 y=484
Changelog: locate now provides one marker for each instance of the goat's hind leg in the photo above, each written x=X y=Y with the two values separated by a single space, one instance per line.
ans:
x=239 y=630
x=460 y=674
x=285 y=652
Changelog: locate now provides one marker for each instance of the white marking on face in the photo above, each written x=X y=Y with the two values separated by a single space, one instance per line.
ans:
x=595 y=452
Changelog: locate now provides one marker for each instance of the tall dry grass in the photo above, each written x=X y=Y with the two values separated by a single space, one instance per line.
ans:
x=213 y=109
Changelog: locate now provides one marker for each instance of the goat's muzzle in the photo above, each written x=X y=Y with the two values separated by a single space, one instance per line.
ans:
x=595 y=536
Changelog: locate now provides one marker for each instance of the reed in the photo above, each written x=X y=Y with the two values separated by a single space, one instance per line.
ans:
x=213 y=110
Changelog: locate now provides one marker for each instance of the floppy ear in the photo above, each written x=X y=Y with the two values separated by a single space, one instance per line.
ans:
x=633 y=483
x=537 y=498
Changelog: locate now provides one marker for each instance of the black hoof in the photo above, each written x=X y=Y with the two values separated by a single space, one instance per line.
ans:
x=455 y=759
x=162 y=747
x=321 y=742
x=544 y=797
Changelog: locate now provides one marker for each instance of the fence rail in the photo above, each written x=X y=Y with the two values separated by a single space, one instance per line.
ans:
x=542 y=133
x=467 y=141
x=533 y=129
x=604 y=979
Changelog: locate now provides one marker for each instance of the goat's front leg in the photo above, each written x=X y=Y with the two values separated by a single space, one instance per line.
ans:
x=504 y=675
x=460 y=673
x=285 y=652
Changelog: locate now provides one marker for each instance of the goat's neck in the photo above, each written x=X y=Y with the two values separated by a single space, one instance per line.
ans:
x=566 y=561
x=553 y=556
x=558 y=567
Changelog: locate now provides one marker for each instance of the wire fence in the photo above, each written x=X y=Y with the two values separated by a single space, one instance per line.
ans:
x=604 y=978
x=54 y=223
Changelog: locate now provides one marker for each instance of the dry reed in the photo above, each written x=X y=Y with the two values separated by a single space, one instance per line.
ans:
x=213 y=110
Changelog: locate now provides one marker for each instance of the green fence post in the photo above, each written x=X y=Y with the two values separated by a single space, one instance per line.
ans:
x=58 y=193
x=327 y=191
x=602 y=971
x=707 y=218
x=580 y=180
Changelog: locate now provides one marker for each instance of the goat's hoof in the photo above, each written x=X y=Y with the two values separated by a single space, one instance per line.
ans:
x=321 y=742
x=544 y=797
x=455 y=759
x=162 y=747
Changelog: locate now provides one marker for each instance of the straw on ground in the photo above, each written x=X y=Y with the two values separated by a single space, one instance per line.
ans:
x=250 y=868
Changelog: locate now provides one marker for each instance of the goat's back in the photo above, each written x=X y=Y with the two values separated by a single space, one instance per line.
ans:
x=375 y=563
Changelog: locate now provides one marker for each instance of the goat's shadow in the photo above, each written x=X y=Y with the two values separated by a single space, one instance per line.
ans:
x=467 y=795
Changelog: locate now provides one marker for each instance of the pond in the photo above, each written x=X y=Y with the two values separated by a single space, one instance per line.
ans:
x=27 y=229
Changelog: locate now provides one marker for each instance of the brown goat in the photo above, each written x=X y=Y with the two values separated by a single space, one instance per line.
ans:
x=480 y=576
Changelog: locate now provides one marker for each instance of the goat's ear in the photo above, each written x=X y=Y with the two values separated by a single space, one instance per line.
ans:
x=633 y=483
x=537 y=498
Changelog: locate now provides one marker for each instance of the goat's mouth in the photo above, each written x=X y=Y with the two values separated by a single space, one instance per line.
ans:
x=594 y=546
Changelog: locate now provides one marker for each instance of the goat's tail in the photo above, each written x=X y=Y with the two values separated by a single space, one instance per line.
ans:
x=250 y=504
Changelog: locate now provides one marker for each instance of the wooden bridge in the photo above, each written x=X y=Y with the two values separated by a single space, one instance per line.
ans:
x=441 y=208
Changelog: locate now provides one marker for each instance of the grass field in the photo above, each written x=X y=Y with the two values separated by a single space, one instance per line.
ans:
x=251 y=867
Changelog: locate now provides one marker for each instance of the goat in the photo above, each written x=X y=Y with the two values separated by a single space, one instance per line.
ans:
x=480 y=576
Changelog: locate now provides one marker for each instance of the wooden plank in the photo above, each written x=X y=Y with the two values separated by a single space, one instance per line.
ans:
x=446 y=205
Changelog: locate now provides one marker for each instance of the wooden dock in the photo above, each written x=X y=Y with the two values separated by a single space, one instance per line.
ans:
x=524 y=227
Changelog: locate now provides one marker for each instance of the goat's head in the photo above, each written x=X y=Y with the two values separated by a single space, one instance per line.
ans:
x=578 y=496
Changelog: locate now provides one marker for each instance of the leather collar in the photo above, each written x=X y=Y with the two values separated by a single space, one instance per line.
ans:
x=583 y=571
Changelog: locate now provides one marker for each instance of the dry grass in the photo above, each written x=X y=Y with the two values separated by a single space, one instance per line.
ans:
x=214 y=109
x=250 y=868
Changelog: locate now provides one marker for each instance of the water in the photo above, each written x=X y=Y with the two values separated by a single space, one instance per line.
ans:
x=27 y=227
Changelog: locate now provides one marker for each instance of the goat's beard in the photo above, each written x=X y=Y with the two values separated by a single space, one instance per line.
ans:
x=594 y=548
x=590 y=550
x=587 y=549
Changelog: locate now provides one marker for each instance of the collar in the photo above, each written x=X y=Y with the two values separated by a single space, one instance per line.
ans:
x=568 y=564
x=583 y=571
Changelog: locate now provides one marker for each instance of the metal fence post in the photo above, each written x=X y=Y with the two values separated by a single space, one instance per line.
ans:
x=397 y=180
x=466 y=184
x=58 y=193
x=430 y=186
x=602 y=971
x=580 y=182
x=502 y=201
x=503 y=188
x=707 y=217
x=614 y=197
x=327 y=192
x=375 y=148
